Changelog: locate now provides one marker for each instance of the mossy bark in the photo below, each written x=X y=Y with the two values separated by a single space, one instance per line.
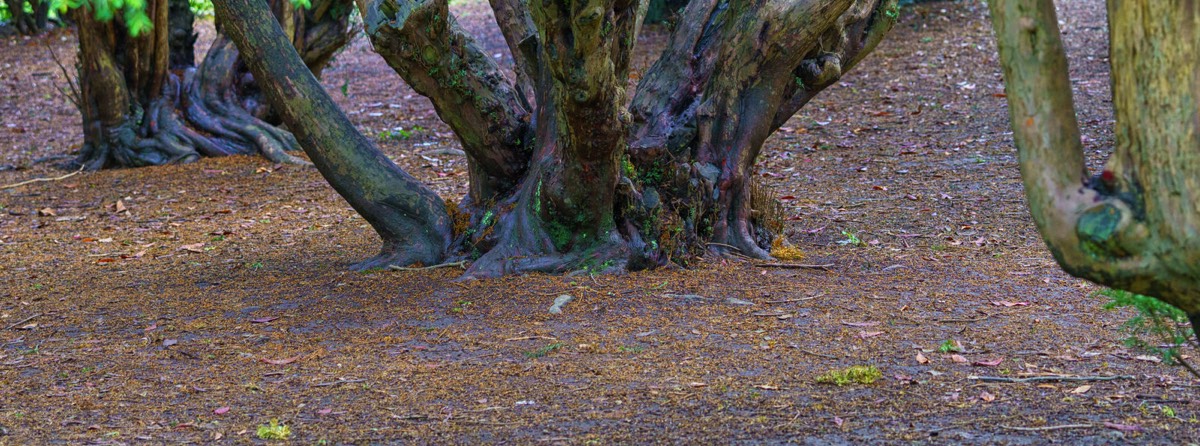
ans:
x=1133 y=225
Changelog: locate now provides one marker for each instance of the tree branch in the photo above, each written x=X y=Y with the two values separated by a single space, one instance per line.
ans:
x=1090 y=235
x=423 y=43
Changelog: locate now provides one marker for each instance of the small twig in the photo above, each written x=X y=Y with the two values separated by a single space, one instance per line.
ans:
x=1001 y=379
x=340 y=381
x=1048 y=428
x=22 y=321
x=39 y=180
x=975 y=319
x=825 y=266
x=460 y=264
x=529 y=338
x=802 y=299
x=73 y=95
x=819 y=355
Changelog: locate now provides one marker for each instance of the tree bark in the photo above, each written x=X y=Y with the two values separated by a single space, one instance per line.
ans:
x=410 y=218
x=703 y=111
x=1133 y=226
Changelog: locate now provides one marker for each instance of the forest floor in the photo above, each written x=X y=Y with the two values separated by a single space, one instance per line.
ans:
x=198 y=302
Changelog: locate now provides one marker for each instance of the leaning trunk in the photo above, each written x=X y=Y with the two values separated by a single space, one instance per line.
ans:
x=411 y=219
x=1134 y=225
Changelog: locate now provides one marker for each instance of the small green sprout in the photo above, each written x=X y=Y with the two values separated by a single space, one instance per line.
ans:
x=859 y=374
x=274 y=431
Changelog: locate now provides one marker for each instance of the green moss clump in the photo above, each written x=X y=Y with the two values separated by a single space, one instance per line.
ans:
x=859 y=374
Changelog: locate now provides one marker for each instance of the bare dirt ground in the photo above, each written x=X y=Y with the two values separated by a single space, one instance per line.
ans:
x=195 y=303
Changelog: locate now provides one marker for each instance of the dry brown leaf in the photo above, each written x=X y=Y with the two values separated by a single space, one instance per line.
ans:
x=195 y=247
x=921 y=359
x=960 y=359
x=283 y=361
x=1081 y=389
x=987 y=397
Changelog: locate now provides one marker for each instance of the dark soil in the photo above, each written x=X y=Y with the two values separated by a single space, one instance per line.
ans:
x=198 y=302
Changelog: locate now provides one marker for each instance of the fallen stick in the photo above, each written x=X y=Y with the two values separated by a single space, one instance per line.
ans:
x=22 y=321
x=824 y=266
x=461 y=263
x=1001 y=379
x=1048 y=428
x=802 y=299
x=39 y=180
x=340 y=381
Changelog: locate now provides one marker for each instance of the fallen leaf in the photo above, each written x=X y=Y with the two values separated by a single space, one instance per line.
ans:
x=221 y=410
x=766 y=387
x=284 y=361
x=196 y=247
x=151 y=327
x=1004 y=303
x=696 y=384
x=838 y=421
x=988 y=362
x=958 y=359
x=1148 y=358
x=325 y=411
x=120 y=207
x=987 y=397
x=1081 y=389
x=869 y=334
x=263 y=320
x=106 y=260
x=47 y=212
x=29 y=326
x=921 y=359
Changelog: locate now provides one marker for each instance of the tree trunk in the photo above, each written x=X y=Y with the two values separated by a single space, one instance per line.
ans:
x=410 y=218
x=703 y=111
x=29 y=23
x=1134 y=225
x=573 y=179
x=145 y=103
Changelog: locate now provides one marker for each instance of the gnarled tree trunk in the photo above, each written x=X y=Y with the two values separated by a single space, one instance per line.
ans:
x=1135 y=225
x=29 y=23
x=145 y=103
x=574 y=179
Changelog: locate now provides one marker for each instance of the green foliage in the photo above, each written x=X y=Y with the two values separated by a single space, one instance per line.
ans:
x=133 y=12
x=859 y=374
x=851 y=239
x=1157 y=327
x=544 y=350
x=201 y=7
x=950 y=345
x=274 y=431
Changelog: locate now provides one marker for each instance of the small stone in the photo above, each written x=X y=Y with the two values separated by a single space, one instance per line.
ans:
x=559 y=302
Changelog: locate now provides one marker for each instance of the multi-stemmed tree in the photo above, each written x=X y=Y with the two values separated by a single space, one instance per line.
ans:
x=571 y=168
x=1135 y=225
x=144 y=102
